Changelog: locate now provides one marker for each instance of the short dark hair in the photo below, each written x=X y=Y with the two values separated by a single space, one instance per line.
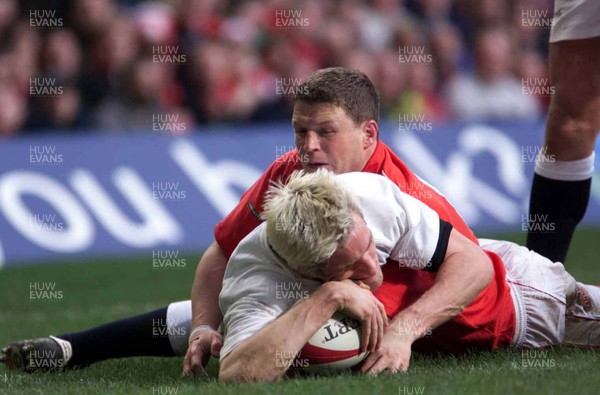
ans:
x=347 y=88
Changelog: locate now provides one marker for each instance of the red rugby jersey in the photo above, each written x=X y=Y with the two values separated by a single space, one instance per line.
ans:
x=488 y=322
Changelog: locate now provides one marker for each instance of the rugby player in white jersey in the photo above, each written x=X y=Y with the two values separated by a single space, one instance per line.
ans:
x=326 y=233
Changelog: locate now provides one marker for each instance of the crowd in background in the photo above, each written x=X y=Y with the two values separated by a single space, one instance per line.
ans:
x=115 y=64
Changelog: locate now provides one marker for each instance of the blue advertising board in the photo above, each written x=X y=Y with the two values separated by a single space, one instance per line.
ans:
x=66 y=197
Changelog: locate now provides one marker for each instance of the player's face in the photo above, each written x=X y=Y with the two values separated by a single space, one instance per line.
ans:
x=327 y=137
x=356 y=259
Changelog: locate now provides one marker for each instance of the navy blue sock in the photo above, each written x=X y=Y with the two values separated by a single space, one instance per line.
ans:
x=142 y=335
x=555 y=209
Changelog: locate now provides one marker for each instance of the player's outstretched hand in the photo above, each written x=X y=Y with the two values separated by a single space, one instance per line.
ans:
x=393 y=355
x=360 y=303
x=202 y=345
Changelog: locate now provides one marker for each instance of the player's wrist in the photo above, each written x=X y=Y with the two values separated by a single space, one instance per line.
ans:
x=334 y=295
x=198 y=330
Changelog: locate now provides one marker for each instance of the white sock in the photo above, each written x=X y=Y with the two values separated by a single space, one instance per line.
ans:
x=572 y=170
x=179 y=325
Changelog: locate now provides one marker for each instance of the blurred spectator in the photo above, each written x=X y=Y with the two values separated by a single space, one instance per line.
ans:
x=8 y=14
x=449 y=52
x=62 y=112
x=24 y=56
x=339 y=39
x=111 y=54
x=202 y=18
x=92 y=17
x=156 y=23
x=434 y=10
x=492 y=91
x=13 y=110
x=59 y=106
x=392 y=81
x=362 y=60
x=421 y=96
x=479 y=14
x=140 y=101
x=61 y=55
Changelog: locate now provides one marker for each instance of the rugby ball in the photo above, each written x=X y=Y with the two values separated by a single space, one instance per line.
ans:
x=335 y=346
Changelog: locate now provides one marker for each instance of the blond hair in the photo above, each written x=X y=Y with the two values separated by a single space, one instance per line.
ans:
x=308 y=218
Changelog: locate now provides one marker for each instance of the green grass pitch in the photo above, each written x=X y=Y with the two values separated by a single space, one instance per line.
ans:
x=100 y=291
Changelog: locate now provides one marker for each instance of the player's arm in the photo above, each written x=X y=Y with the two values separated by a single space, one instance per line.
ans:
x=267 y=355
x=206 y=315
x=207 y=286
x=464 y=272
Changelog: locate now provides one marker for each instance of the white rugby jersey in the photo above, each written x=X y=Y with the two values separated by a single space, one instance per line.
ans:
x=258 y=286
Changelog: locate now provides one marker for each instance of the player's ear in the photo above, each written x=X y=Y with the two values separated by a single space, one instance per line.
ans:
x=370 y=133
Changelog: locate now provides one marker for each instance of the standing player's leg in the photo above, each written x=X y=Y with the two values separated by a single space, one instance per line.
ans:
x=163 y=332
x=563 y=171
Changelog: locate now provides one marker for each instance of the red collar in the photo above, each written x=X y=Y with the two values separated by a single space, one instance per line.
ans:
x=375 y=163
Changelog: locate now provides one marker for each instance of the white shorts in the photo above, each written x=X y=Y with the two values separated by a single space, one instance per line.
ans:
x=575 y=20
x=551 y=308
x=538 y=288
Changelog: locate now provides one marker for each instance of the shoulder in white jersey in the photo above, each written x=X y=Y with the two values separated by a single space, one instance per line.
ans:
x=405 y=229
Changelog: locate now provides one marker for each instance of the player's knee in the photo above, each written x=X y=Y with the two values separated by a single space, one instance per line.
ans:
x=572 y=125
